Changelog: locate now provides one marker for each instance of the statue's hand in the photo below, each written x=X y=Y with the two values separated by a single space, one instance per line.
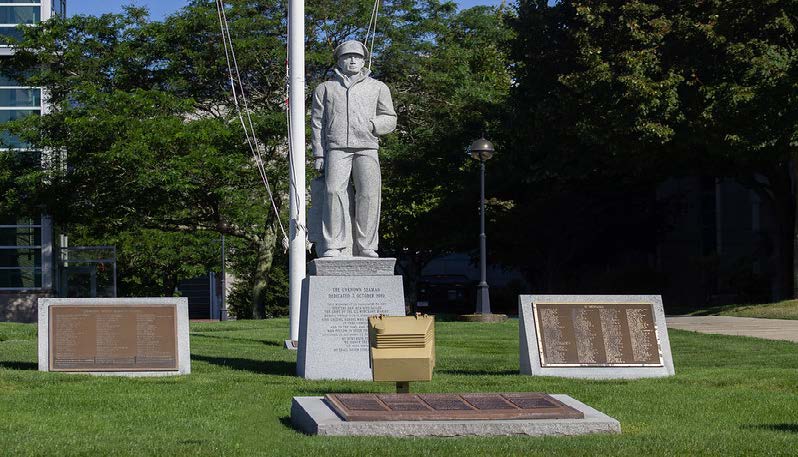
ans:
x=318 y=164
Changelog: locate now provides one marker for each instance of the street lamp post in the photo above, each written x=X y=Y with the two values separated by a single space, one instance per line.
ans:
x=482 y=150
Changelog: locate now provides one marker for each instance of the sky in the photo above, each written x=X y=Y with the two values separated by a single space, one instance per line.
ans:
x=161 y=8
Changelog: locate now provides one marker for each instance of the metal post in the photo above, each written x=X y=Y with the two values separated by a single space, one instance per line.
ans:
x=296 y=100
x=403 y=387
x=213 y=304
x=223 y=310
x=47 y=261
x=114 y=252
x=483 y=296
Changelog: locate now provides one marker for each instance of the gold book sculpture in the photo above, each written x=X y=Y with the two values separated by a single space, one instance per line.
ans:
x=402 y=348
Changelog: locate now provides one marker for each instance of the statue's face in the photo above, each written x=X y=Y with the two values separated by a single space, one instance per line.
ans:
x=351 y=64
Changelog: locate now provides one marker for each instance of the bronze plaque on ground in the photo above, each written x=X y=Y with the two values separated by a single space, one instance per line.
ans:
x=113 y=338
x=597 y=334
x=418 y=407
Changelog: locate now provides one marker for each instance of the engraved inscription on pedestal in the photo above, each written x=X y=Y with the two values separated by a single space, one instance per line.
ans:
x=483 y=406
x=334 y=341
x=597 y=334
x=345 y=317
x=113 y=338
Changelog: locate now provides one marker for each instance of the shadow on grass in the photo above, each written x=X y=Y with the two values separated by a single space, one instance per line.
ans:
x=322 y=390
x=715 y=310
x=791 y=428
x=479 y=372
x=192 y=442
x=442 y=317
x=286 y=421
x=246 y=340
x=270 y=367
x=19 y=365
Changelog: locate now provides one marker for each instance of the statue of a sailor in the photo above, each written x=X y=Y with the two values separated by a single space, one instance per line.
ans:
x=350 y=112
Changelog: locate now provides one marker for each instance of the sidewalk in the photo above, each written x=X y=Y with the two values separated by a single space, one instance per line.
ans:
x=769 y=329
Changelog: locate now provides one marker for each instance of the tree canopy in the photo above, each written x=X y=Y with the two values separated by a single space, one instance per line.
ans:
x=591 y=105
x=146 y=143
x=612 y=97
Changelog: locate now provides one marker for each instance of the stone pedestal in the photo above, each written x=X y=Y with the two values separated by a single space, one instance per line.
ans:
x=338 y=296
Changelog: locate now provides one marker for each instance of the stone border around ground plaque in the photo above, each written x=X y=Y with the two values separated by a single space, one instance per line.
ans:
x=179 y=304
x=313 y=416
x=594 y=336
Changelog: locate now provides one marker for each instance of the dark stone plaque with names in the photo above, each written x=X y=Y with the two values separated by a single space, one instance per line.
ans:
x=417 y=407
x=597 y=334
x=113 y=338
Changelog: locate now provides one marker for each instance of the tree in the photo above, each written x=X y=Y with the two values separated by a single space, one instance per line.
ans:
x=616 y=96
x=449 y=92
x=142 y=116
x=150 y=141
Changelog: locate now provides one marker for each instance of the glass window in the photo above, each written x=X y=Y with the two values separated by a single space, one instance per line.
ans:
x=20 y=160
x=21 y=236
x=9 y=32
x=20 y=252
x=7 y=81
x=20 y=14
x=21 y=97
x=7 y=140
x=20 y=278
x=20 y=257
x=15 y=219
x=59 y=8
x=15 y=114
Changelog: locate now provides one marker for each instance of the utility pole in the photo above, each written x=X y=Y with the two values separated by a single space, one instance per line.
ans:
x=296 y=108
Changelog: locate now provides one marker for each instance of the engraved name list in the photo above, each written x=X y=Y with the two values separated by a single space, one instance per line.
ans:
x=113 y=338
x=595 y=334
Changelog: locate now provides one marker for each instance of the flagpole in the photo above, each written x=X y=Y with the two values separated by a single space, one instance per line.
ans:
x=296 y=101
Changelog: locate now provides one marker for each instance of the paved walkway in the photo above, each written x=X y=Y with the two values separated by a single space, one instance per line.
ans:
x=769 y=329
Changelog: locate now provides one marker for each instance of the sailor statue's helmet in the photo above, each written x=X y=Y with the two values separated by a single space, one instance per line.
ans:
x=351 y=47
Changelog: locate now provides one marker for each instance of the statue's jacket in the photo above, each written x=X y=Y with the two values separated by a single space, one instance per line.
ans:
x=350 y=112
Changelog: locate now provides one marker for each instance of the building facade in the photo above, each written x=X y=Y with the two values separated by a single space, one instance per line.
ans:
x=26 y=242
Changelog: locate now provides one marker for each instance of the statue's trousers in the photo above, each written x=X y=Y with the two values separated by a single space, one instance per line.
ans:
x=363 y=165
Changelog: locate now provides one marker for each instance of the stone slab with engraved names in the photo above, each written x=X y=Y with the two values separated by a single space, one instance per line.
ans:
x=125 y=337
x=396 y=407
x=594 y=336
x=481 y=414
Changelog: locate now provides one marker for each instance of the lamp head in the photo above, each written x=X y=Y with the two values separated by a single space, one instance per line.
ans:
x=481 y=149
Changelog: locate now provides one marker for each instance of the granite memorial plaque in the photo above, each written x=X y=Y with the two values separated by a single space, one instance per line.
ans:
x=114 y=336
x=594 y=336
x=444 y=407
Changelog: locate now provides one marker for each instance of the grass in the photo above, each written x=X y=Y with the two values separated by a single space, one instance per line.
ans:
x=787 y=309
x=730 y=396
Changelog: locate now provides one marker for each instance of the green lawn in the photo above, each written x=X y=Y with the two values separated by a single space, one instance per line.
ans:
x=787 y=309
x=730 y=396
